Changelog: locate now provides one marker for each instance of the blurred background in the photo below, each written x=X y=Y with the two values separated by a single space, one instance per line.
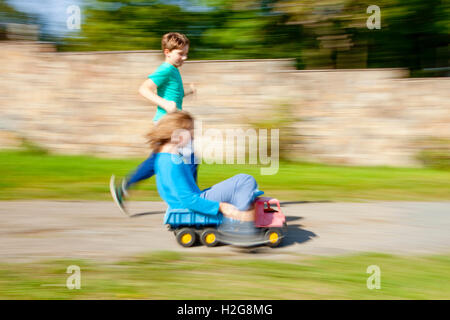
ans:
x=339 y=91
x=317 y=34
x=363 y=115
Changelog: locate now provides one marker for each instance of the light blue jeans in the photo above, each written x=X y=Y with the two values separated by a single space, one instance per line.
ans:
x=239 y=190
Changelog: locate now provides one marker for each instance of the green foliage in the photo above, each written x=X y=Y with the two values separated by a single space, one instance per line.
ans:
x=9 y=14
x=30 y=147
x=318 y=34
x=283 y=119
x=435 y=153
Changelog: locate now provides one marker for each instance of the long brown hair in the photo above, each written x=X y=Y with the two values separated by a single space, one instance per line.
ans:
x=162 y=132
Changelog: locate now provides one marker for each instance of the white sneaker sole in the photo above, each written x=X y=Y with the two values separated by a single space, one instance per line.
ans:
x=112 y=185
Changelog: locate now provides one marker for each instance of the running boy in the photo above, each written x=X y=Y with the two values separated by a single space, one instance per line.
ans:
x=167 y=83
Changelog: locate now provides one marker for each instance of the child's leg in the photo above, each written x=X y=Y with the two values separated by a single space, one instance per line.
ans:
x=237 y=190
x=144 y=171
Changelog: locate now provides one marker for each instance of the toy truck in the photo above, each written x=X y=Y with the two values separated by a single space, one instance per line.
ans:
x=188 y=226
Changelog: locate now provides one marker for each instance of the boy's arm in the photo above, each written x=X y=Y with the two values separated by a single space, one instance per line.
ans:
x=147 y=90
x=191 y=90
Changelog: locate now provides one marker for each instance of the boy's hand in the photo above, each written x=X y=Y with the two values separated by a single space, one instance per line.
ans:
x=170 y=106
x=191 y=90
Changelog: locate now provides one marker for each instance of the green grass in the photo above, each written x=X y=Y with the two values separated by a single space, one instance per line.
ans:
x=35 y=175
x=170 y=275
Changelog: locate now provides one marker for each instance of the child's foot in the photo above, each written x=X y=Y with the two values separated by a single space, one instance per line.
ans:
x=240 y=240
x=239 y=233
x=118 y=193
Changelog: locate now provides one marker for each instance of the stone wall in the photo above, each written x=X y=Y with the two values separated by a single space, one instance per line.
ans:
x=88 y=103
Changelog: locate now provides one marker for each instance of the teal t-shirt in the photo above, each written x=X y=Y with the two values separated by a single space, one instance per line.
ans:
x=170 y=86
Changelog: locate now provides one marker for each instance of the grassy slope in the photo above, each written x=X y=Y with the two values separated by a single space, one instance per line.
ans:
x=169 y=275
x=34 y=176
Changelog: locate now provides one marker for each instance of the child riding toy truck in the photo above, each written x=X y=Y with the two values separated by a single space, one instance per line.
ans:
x=188 y=225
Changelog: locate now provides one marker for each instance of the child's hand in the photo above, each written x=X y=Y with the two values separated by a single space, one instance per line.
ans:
x=170 y=106
x=193 y=88
x=230 y=211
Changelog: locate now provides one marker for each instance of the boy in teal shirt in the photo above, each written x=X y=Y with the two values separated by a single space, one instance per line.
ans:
x=167 y=83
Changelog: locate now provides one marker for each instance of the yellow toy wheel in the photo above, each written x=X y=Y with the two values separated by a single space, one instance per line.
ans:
x=209 y=237
x=273 y=237
x=186 y=237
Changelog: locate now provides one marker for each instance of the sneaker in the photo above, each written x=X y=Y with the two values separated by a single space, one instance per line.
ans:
x=117 y=193
x=124 y=188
